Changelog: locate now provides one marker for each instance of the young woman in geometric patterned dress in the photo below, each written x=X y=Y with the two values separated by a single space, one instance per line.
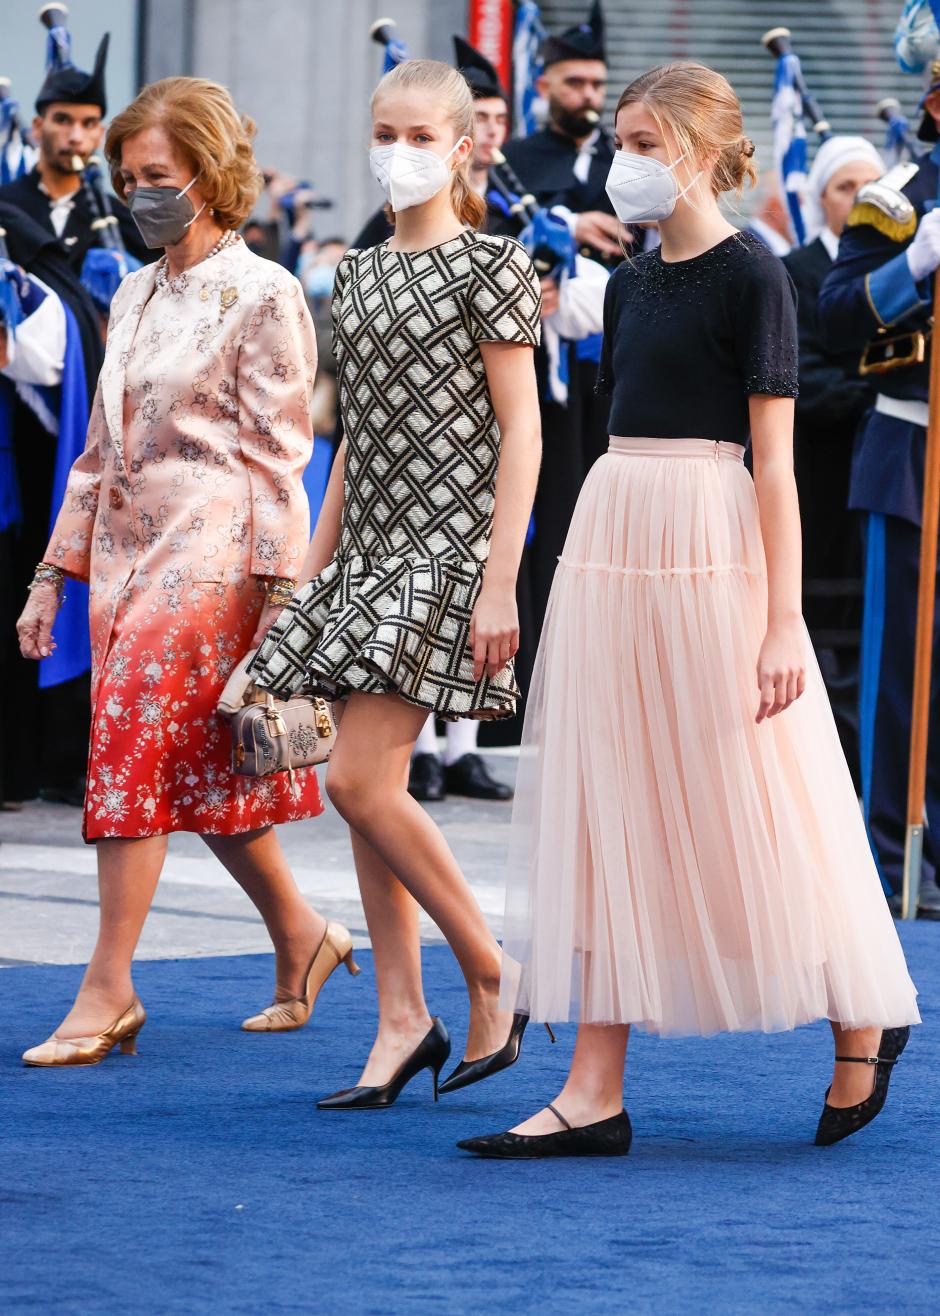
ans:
x=409 y=605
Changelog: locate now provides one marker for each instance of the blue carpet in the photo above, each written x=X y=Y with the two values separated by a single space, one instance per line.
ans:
x=198 y=1177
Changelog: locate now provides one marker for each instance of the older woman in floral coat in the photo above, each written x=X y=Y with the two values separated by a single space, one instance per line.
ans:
x=185 y=510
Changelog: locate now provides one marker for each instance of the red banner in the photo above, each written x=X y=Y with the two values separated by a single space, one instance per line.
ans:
x=489 y=25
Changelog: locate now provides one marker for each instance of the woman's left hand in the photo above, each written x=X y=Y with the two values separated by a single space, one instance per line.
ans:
x=781 y=668
x=494 y=631
x=269 y=616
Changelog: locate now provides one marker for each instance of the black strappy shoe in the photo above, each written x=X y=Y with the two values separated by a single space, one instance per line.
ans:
x=610 y=1137
x=472 y=1071
x=838 y=1122
x=432 y=1053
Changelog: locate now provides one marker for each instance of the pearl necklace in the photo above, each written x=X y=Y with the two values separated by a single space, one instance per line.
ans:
x=178 y=283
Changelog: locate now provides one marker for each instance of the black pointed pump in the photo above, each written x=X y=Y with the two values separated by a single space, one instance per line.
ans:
x=473 y=1071
x=432 y=1053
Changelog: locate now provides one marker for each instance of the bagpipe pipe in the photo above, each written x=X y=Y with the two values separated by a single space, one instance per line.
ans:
x=546 y=237
x=16 y=152
x=792 y=105
x=108 y=261
x=900 y=142
x=12 y=289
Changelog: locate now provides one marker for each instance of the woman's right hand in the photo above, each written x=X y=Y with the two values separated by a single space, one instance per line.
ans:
x=34 y=628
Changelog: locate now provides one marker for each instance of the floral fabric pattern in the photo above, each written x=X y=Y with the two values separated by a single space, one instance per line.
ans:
x=189 y=490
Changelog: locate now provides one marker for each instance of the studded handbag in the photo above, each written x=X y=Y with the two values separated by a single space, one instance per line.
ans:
x=274 y=735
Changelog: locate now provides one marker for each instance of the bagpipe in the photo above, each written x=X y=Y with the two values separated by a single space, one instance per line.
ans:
x=900 y=143
x=12 y=289
x=546 y=237
x=792 y=105
x=108 y=261
x=16 y=152
x=10 y=315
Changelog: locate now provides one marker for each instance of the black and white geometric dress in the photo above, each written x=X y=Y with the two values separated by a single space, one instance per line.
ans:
x=391 y=612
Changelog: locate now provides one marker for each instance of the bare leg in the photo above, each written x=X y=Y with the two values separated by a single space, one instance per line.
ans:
x=128 y=872
x=258 y=864
x=367 y=782
x=853 y=1083
x=594 y=1087
x=393 y=913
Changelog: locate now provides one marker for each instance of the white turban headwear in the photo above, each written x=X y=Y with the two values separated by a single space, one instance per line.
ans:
x=831 y=156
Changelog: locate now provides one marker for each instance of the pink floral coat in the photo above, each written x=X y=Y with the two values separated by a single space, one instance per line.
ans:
x=188 y=492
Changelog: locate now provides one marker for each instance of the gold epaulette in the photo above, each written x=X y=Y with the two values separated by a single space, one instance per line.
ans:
x=883 y=206
x=866 y=212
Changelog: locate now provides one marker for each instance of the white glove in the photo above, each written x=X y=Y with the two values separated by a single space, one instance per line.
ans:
x=923 y=255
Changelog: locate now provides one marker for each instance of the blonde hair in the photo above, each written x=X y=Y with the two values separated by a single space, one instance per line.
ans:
x=202 y=122
x=450 y=90
x=701 y=110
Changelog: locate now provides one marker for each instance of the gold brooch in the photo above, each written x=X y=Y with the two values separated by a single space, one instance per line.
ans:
x=229 y=296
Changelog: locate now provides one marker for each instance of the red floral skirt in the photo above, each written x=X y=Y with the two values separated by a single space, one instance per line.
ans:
x=160 y=756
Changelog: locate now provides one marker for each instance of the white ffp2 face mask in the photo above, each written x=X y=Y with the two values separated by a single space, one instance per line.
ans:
x=643 y=190
x=409 y=175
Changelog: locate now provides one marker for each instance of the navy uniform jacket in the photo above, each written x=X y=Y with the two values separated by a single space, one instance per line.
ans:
x=870 y=290
x=77 y=236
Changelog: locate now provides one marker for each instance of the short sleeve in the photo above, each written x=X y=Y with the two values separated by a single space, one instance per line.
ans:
x=765 y=330
x=505 y=297
x=340 y=283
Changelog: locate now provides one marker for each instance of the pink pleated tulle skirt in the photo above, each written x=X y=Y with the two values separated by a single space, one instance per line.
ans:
x=673 y=864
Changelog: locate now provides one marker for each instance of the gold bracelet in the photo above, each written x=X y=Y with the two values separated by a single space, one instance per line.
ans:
x=280 y=591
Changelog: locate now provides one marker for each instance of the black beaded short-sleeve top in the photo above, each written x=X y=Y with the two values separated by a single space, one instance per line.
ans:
x=687 y=342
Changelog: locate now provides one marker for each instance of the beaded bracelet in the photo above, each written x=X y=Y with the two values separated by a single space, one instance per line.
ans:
x=46 y=574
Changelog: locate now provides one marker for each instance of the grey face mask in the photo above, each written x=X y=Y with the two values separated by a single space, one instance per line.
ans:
x=162 y=214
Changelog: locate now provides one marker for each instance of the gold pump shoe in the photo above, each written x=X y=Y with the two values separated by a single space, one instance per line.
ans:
x=284 y=1016
x=91 y=1050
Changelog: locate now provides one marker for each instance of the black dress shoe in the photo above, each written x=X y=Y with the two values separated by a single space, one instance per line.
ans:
x=472 y=1071
x=928 y=901
x=838 y=1122
x=610 y=1137
x=469 y=776
x=430 y=1053
x=426 y=778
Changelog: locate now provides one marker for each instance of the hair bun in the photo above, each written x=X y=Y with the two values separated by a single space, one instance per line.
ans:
x=747 y=147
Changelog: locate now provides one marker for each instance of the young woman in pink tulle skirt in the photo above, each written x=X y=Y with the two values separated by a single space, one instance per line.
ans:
x=688 y=854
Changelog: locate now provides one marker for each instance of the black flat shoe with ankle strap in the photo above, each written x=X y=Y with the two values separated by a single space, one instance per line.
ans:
x=610 y=1137
x=472 y=1071
x=838 y=1122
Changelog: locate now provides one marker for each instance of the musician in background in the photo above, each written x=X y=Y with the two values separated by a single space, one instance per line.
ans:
x=565 y=167
x=877 y=301
x=46 y=382
x=833 y=398
x=566 y=164
x=68 y=128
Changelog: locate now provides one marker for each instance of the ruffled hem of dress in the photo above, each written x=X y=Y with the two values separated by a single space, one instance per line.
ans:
x=388 y=625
